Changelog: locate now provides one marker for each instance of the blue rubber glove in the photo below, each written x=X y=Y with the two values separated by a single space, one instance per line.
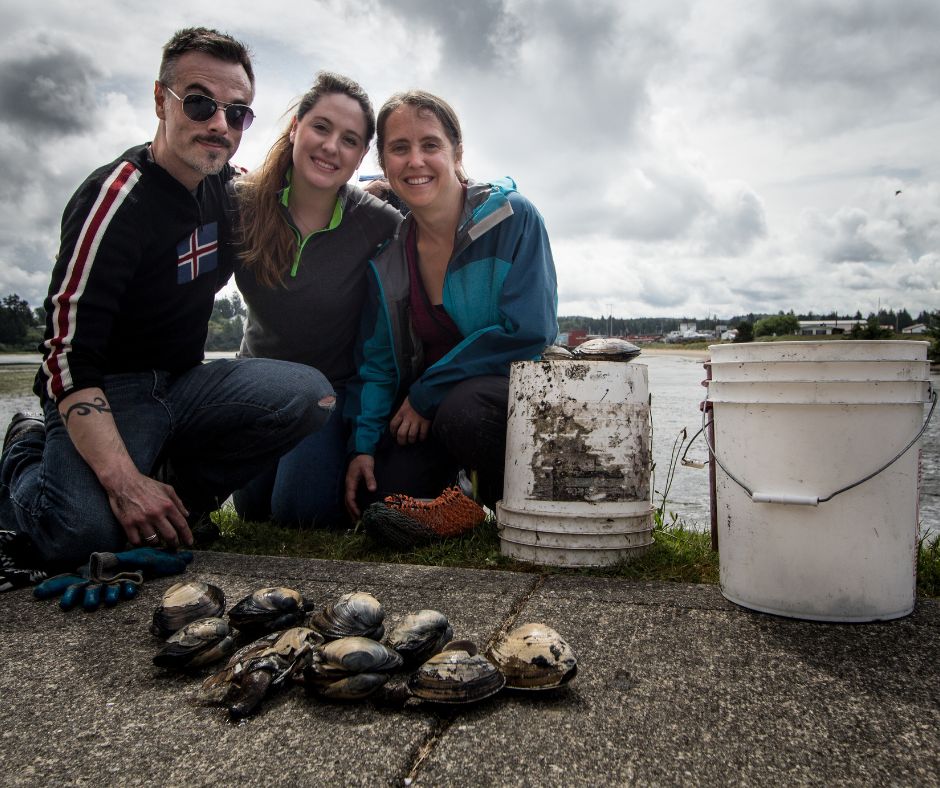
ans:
x=150 y=561
x=111 y=577
x=76 y=589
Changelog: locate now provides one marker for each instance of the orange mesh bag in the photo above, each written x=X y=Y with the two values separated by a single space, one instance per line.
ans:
x=406 y=521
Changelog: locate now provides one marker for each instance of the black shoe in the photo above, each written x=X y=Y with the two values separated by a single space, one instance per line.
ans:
x=20 y=426
x=15 y=571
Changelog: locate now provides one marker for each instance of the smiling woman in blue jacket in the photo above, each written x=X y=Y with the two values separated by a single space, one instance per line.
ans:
x=465 y=287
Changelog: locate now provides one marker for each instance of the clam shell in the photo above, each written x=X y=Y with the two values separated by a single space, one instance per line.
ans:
x=355 y=687
x=455 y=676
x=420 y=635
x=354 y=655
x=268 y=610
x=534 y=657
x=186 y=602
x=354 y=614
x=606 y=349
x=557 y=353
x=200 y=642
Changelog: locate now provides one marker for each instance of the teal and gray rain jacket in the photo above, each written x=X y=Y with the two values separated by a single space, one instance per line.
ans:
x=499 y=289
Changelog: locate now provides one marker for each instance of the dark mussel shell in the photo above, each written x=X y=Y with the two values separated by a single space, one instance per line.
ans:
x=354 y=614
x=199 y=643
x=420 y=635
x=534 y=657
x=186 y=602
x=268 y=610
x=454 y=676
x=258 y=667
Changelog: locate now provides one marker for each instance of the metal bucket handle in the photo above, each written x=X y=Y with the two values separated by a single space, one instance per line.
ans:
x=808 y=500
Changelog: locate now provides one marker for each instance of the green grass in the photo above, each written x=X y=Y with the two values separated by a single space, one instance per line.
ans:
x=678 y=554
x=928 y=567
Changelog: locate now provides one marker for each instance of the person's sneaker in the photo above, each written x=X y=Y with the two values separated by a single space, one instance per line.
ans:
x=21 y=425
x=405 y=521
x=14 y=560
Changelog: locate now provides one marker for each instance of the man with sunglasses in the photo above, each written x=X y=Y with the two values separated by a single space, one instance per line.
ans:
x=139 y=438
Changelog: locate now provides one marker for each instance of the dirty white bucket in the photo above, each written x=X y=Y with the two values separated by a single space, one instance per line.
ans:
x=817 y=481
x=577 y=481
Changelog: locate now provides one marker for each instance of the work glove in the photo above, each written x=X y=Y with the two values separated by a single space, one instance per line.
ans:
x=111 y=577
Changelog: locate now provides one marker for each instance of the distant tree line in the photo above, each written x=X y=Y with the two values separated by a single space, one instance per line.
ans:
x=763 y=324
x=227 y=324
x=22 y=328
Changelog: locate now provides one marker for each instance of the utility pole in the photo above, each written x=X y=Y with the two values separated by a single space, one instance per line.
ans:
x=610 y=317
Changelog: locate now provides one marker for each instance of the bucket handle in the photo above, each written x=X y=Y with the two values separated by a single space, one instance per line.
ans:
x=807 y=500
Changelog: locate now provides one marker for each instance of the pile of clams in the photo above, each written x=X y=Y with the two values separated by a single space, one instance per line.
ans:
x=337 y=652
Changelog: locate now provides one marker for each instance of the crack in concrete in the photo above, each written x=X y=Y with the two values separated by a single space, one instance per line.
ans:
x=426 y=747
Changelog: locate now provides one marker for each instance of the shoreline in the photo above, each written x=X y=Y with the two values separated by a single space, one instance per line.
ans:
x=689 y=352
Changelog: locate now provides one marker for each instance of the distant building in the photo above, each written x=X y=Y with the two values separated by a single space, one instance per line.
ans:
x=812 y=328
x=917 y=328
x=576 y=336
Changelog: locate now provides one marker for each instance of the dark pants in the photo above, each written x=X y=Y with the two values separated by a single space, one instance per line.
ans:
x=216 y=426
x=467 y=432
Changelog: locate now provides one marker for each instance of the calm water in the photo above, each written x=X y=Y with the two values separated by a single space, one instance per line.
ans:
x=676 y=391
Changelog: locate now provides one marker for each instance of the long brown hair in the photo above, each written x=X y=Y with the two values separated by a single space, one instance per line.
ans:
x=267 y=243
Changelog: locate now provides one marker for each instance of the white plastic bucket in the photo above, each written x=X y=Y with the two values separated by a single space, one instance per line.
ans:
x=799 y=427
x=577 y=481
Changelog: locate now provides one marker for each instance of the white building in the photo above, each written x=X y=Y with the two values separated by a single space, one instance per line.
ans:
x=812 y=328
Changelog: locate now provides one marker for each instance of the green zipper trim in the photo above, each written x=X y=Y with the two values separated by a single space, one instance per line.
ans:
x=335 y=221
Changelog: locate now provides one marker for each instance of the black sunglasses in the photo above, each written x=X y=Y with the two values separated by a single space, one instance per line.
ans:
x=201 y=108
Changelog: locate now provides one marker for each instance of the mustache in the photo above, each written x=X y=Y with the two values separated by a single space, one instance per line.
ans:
x=214 y=139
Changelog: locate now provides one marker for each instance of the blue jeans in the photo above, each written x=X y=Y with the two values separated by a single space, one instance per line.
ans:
x=306 y=486
x=214 y=427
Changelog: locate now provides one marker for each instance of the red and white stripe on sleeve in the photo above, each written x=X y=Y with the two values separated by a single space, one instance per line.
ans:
x=66 y=301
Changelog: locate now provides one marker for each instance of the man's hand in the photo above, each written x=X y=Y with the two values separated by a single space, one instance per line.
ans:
x=409 y=426
x=148 y=511
x=362 y=468
x=146 y=508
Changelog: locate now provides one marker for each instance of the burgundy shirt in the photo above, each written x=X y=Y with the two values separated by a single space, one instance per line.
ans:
x=434 y=327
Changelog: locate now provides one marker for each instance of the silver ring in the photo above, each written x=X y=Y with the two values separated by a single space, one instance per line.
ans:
x=151 y=538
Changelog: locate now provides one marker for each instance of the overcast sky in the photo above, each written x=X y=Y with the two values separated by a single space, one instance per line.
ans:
x=690 y=157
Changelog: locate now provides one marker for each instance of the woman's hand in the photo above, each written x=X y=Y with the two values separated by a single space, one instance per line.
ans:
x=361 y=467
x=409 y=426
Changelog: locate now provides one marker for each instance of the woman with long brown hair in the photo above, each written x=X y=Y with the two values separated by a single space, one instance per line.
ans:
x=306 y=237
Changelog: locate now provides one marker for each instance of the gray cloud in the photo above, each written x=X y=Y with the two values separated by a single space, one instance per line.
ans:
x=863 y=60
x=473 y=35
x=672 y=147
x=48 y=88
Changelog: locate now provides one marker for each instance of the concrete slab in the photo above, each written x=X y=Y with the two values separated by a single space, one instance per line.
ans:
x=676 y=686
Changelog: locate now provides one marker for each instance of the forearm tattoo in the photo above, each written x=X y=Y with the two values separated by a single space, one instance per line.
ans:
x=100 y=405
